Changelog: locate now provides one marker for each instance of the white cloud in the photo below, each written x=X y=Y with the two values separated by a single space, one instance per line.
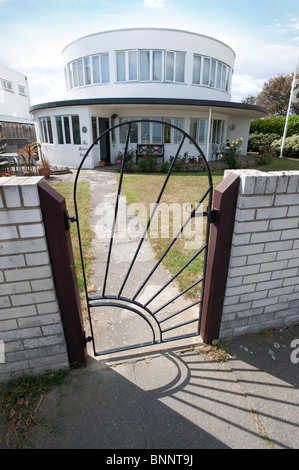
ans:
x=154 y=3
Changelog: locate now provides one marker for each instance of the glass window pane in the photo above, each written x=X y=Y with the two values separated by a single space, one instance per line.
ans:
x=167 y=131
x=218 y=76
x=206 y=71
x=96 y=69
x=180 y=67
x=50 y=133
x=105 y=68
x=123 y=130
x=87 y=74
x=144 y=65
x=157 y=65
x=223 y=77
x=121 y=66
x=94 y=128
x=170 y=66
x=145 y=132
x=179 y=122
x=157 y=131
x=75 y=73
x=213 y=73
x=133 y=65
x=134 y=132
x=59 y=130
x=202 y=135
x=193 y=128
x=76 y=130
x=80 y=72
x=67 y=134
x=196 y=69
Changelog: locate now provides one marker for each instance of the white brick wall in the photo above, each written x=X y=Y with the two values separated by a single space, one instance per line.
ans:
x=30 y=322
x=262 y=289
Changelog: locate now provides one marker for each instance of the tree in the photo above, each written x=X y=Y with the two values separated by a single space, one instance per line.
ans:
x=250 y=99
x=275 y=95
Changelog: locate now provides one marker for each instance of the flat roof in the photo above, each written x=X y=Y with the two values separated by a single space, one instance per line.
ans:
x=150 y=101
x=149 y=29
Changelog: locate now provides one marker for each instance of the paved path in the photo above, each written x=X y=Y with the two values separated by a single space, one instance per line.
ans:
x=179 y=399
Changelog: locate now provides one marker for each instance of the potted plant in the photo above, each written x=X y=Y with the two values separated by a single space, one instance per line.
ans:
x=102 y=163
x=192 y=160
x=45 y=167
x=29 y=154
x=200 y=159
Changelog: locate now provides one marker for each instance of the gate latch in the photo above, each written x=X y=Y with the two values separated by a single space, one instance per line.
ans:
x=212 y=215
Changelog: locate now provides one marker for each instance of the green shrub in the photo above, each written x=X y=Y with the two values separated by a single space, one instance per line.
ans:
x=148 y=163
x=275 y=126
x=164 y=167
x=129 y=163
x=290 y=148
x=256 y=141
x=230 y=158
x=265 y=155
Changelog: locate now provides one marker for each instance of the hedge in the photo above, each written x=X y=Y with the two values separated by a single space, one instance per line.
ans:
x=275 y=126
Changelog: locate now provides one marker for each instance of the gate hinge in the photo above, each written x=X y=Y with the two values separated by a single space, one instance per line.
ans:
x=213 y=216
x=87 y=339
x=68 y=219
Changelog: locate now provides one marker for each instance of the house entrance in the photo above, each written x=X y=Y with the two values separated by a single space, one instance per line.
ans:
x=142 y=302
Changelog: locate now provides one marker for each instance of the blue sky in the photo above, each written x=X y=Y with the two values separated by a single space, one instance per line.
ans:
x=263 y=33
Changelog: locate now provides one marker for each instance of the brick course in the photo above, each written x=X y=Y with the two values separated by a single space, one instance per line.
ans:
x=30 y=321
x=262 y=286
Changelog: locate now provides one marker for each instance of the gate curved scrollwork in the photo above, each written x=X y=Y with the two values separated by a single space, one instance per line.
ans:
x=157 y=311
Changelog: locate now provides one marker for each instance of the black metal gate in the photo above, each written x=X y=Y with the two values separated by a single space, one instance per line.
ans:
x=165 y=321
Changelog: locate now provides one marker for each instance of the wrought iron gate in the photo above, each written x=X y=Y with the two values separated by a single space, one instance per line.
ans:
x=165 y=321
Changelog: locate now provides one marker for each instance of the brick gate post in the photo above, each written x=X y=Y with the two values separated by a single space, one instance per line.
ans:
x=225 y=201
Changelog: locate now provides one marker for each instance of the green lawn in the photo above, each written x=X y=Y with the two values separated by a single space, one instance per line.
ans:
x=87 y=234
x=188 y=188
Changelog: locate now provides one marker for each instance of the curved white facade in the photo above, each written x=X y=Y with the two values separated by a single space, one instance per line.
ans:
x=148 y=62
x=177 y=77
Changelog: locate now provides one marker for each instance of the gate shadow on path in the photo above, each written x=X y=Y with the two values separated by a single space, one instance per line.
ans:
x=171 y=401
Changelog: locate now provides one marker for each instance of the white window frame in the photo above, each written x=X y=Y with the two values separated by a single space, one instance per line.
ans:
x=78 y=78
x=6 y=85
x=47 y=137
x=71 y=129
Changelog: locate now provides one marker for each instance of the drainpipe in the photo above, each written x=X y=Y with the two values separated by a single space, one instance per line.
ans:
x=208 y=136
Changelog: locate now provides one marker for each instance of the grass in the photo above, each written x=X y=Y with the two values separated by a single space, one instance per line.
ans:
x=20 y=399
x=188 y=188
x=181 y=188
x=87 y=234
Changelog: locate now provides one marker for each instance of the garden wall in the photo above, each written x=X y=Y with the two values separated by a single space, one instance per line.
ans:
x=262 y=288
x=31 y=330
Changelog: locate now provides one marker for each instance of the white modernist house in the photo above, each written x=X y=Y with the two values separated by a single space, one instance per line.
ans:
x=179 y=77
x=16 y=123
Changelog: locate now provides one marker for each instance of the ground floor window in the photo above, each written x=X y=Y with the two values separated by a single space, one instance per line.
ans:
x=147 y=132
x=199 y=130
x=68 y=129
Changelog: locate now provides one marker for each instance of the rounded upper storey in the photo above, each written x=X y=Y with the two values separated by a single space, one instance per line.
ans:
x=151 y=62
